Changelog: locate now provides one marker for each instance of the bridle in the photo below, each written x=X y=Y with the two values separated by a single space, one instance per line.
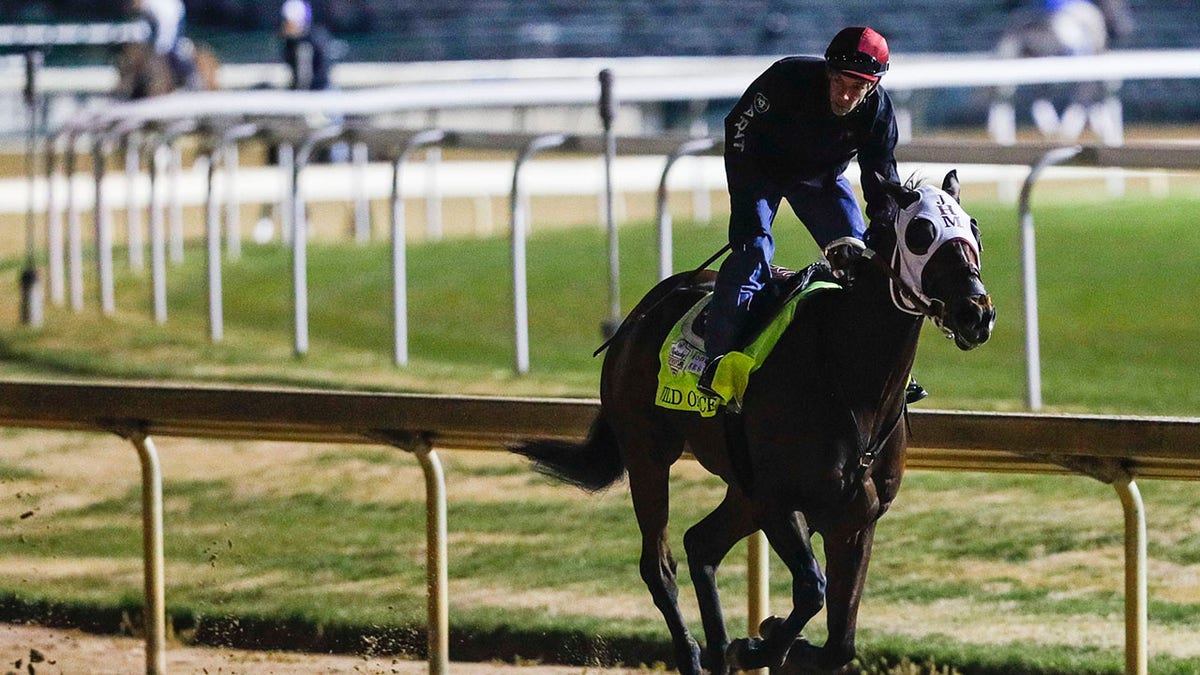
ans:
x=909 y=297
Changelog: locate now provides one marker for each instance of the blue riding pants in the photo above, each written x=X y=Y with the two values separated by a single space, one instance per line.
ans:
x=829 y=211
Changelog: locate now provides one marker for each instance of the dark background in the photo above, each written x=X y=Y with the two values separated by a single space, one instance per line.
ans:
x=432 y=30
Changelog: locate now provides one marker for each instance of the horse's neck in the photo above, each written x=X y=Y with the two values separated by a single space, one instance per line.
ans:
x=875 y=343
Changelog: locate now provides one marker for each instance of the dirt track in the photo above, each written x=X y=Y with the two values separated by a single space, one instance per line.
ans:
x=34 y=650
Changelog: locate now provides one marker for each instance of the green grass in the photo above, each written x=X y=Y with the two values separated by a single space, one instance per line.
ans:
x=334 y=539
x=1117 y=326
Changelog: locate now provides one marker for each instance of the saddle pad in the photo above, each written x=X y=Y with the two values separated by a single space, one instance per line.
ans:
x=682 y=359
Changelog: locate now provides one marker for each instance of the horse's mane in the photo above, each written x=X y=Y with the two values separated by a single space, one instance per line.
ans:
x=914 y=181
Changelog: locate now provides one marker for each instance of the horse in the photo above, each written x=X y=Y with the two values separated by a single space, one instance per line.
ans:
x=142 y=72
x=818 y=445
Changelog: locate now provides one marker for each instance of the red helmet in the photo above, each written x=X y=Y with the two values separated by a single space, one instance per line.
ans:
x=858 y=51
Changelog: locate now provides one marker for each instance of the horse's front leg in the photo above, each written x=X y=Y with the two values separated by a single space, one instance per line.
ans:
x=707 y=543
x=846 y=558
x=788 y=535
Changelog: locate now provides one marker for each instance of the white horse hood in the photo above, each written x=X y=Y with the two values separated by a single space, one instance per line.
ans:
x=934 y=220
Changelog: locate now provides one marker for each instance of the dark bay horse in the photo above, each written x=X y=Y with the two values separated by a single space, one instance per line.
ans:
x=818 y=446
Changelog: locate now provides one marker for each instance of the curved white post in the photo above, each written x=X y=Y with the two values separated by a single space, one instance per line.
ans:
x=158 y=236
x=399 y=247
x=74 y=230
x=212 y=245
x=1033 y=359
x=692 y=147
x=133 y=202
x=102 y=222
x=54 y=224
x=299 y=230
x=520 y=227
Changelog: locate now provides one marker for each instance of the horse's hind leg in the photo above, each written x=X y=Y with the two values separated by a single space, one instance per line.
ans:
x=788 y=535
x=707 y=543
x=649 y=487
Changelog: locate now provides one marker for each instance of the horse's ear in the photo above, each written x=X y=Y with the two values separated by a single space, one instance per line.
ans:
x=950 y=184
x=903 y=196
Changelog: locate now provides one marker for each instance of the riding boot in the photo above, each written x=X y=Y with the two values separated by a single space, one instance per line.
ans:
x=705 y=384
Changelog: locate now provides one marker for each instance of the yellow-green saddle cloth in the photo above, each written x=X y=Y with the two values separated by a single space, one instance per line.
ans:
x=682 y=359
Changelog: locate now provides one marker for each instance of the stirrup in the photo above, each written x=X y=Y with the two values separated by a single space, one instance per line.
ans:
x=841 y=252
x=914 y=392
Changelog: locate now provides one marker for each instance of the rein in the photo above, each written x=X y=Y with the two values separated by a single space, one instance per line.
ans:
x=931 y=308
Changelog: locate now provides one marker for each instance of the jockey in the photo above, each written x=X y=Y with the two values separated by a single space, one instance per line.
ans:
x=166 y=22
x=792 y=135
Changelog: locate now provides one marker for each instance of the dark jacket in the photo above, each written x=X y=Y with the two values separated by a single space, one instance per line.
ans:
x=310 y=58
x=783 y=131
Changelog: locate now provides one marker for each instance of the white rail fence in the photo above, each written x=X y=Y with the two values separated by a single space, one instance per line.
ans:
x=1114 y=450
x=646 y=163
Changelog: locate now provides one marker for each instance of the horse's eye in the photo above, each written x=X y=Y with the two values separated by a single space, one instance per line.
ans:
x=919 y=235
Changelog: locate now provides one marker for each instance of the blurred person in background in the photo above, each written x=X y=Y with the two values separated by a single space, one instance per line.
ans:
x=307 y=47
x=309 y=51
x=792 y=135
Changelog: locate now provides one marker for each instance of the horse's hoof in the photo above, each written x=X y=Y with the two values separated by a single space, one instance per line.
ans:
x=803 y=657
x=768 y=626
x=689 y=662
x=746 y=654
x=714 y=661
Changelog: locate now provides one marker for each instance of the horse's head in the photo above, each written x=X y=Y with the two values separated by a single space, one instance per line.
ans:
x=932 y=254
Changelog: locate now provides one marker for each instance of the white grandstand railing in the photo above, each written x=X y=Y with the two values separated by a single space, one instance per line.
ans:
x=1115 y=450
x=726 y=76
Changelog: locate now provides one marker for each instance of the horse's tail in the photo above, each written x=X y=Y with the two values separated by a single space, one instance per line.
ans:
x=591 y=465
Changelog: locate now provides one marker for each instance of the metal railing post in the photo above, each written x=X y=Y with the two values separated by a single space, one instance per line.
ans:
x=133 y=202
x=175 y=202
x=227 y=148
x=608 y=112
x=663 y=218
x=359 y=157
x=102 y=224
x=152 y=554
x=287 y=168
x=30 y=281
x=54 y=224
x=520 y=226
x=1136 y=621
x=437 y=574
x=212 y=242
x=158 y=236
x=299 y=229
x=74 y=229
x=399 y=237
x=757 y=582
x=1033 y=366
